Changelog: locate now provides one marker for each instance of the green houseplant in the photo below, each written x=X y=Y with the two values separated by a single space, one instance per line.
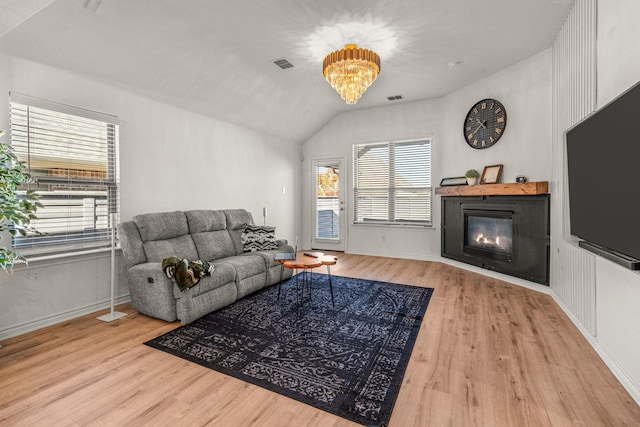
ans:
x=16 y=210
x=472 y=176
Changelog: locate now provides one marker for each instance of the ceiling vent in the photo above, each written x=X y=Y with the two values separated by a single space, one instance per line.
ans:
x=395 y=97
x=283 y=63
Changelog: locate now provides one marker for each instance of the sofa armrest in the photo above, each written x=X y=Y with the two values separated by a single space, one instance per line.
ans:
x=281 y=243
x=131 y=244
x=151 y=291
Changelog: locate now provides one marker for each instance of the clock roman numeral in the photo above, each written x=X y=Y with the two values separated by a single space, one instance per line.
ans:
x=498 y=110
x=500 y=120
x=498 y=131
x=483 y=105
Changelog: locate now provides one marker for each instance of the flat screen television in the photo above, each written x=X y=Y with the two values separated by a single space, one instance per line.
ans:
x=603 y=161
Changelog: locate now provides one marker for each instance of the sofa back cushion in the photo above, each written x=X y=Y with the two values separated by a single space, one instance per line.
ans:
x=162 y=225
x=209 y=232
x=165 y=234
x=199 y=221
x=182 y=247
x=237 y=219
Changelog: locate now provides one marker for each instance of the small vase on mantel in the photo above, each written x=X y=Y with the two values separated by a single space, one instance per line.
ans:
x=472 y=176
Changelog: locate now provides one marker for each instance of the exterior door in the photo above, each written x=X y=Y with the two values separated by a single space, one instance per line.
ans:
x=328 y=204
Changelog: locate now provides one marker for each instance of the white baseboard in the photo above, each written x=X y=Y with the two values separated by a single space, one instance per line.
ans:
x=33 y=325
x=393 y=255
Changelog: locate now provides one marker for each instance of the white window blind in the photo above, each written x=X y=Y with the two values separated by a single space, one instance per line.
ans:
x=392 y=182
x=73 y=155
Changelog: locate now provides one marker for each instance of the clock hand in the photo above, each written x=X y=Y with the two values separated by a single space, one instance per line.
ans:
x=478 y=128
x=482 y=124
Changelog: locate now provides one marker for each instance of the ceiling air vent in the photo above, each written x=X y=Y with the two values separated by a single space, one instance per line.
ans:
x=395 y=97
x=283 y=63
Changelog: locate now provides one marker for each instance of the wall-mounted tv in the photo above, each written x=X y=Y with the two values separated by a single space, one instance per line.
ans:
x=603 y=160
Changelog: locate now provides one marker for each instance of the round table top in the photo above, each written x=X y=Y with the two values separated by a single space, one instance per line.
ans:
x=328 y=260
x=304 y=261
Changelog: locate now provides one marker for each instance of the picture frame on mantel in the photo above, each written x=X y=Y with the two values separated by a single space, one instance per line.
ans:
x=458 y=180
x=491 y=174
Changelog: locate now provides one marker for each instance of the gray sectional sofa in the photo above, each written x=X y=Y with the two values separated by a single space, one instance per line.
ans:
x=208 y=235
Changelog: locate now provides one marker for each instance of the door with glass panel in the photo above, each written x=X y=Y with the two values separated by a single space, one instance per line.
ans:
x=328 y=204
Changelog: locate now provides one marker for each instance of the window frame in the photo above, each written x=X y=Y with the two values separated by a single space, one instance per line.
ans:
x=104 y=189
x=393 y=189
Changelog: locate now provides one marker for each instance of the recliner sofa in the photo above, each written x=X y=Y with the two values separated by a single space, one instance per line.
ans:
x=214 y=236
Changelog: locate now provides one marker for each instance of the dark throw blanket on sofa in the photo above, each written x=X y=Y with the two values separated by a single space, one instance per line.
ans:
x=186 y=273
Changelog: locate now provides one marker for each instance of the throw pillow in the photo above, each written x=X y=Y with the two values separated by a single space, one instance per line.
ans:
x=259 y=238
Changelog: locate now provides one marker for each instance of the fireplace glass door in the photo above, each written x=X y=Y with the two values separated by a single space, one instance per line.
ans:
x=489 y=233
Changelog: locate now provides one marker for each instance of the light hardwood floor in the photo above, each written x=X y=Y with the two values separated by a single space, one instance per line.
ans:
x=488 y=354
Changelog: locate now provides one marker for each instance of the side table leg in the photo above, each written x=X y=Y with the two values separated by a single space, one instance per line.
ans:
x=280 y=282
x=330 y=285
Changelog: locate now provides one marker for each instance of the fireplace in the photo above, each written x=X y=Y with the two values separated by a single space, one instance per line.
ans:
x=489 y=234
x=507 y=234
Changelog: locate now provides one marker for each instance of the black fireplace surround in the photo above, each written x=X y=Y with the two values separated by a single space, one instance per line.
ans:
x=507 y=234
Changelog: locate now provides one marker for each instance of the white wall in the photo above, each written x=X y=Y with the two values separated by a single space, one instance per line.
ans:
x=409 y=120
x=524 y=149
x=170 y=159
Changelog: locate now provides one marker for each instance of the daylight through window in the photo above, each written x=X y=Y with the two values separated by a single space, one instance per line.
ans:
x=392 y=182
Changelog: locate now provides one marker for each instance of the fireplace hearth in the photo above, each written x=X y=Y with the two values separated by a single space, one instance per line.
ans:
x=507 y=234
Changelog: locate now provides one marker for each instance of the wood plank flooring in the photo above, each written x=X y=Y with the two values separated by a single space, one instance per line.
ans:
x=488 y=354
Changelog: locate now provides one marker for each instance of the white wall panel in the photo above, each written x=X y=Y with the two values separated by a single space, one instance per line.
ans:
x=574 y=97
x=596 y=57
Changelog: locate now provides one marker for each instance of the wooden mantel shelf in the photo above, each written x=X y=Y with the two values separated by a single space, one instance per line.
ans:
x=505 y=189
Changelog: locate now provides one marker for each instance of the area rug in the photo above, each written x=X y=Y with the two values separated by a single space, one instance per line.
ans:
x=347 y=359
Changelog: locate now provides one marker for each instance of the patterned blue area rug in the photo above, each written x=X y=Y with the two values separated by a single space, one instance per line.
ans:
x=347 y=359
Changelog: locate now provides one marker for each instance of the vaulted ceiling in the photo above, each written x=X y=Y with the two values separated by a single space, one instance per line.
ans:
x=215 y=57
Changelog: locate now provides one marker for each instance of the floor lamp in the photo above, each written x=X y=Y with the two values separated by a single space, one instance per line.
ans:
x=112 y=315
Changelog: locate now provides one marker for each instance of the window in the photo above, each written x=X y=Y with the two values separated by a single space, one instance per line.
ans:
x=392 y=182
x=72 y=154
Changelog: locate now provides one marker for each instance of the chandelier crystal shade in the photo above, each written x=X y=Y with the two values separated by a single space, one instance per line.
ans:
x=350 y=71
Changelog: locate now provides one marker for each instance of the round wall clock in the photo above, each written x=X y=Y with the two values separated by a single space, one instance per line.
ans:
x=485 y=123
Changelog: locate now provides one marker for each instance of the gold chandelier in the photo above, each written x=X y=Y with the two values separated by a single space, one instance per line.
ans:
x=350 y=71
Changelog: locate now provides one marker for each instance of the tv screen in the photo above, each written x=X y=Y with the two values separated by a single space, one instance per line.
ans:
x=603 y=160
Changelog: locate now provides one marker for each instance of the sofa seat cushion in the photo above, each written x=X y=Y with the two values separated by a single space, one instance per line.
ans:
x=251 y=273
x=246 y=265
x=223 y=274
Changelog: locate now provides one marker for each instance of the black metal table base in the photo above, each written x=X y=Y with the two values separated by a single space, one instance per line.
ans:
x=307 y=281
